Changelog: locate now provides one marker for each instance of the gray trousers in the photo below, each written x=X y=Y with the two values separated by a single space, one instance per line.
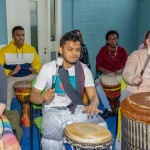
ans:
x=55 y=121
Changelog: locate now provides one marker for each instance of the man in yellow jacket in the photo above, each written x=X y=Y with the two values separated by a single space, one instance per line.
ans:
x=20 y=61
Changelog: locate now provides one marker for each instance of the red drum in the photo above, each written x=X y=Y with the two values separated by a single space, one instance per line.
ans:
x=88 y=136
x=22 y=91
x=112 y=87
x=135 y=122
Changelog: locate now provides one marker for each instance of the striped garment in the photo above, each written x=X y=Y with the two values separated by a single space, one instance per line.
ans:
x=8 y=140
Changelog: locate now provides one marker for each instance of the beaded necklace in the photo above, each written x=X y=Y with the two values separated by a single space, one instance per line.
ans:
x=113 y=56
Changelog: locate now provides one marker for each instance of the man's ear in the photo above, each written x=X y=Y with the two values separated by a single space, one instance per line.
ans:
x=60 y=50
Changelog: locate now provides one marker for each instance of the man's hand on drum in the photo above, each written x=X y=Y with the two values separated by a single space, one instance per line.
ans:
x=105 y=71
x=119 y=72
x=137 y=80
x=13 y=72
x=49 y=95
x=91 y=109
x=33 y=70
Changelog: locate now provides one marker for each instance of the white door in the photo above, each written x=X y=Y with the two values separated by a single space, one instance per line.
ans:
x=42 y=22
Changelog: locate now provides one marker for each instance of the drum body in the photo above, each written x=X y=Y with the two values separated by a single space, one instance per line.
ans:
x=88 y=136
x=135 y=116
x=22 y=91
x=112 y=87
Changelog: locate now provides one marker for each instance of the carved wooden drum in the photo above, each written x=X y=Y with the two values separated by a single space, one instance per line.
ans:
x=22 y=91
x=112 y=87
x=135 y=114
x=88 y=136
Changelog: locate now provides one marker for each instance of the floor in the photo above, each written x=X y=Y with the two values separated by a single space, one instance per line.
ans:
x=25 y=141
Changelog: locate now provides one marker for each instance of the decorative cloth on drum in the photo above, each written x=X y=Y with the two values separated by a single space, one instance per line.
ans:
x=8 y=141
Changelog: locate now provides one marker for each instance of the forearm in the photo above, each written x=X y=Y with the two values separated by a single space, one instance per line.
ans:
x=94 y=101
x=36 y=98
x=105 y=71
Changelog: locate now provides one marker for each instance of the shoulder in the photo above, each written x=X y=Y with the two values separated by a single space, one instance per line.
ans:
x=121 y=48
x=50 y=65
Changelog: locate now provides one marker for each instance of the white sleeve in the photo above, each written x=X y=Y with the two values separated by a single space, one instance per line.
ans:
x=89 y=81
x=43 y=78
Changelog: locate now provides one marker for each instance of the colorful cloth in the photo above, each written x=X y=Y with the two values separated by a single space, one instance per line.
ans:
x=104 y=59
x=8 y=140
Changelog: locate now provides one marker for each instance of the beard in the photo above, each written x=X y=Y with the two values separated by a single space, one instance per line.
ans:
x=72 y=63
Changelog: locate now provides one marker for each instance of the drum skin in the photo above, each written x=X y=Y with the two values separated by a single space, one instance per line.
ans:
x=135 y=120
x=137 y=107
x=88 y=135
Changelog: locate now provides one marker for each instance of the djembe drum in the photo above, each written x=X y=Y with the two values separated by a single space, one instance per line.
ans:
x=135 y=118
x=112 y=87
x=87 y=136
x=22 y=91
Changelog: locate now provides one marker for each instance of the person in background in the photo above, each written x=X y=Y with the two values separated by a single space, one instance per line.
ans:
x=111 y=59
x=132 y=72
x=63 y=104
x=7 y=139
x=146 y=36
x=20 y=61
x=84 y=57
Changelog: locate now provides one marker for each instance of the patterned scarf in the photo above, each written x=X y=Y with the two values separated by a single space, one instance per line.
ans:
x=76 y=95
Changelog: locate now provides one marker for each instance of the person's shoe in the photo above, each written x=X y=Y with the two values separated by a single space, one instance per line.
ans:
x=106 y=114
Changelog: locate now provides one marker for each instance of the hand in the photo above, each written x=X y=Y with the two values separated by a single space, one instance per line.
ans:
x=49 y=95
x=33 y=70
x=137 y=80
x=119 y=72
x=2 y=108
x=16 y=70
x=91 y=109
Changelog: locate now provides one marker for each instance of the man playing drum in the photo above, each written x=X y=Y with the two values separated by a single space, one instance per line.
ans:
x=110 y=61
x=20 y=61
x=63 y=103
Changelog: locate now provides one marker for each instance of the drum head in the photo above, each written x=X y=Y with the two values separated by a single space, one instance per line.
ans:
x=111 y=79
x=88 y=133
x=137 y=107
x=23 y=84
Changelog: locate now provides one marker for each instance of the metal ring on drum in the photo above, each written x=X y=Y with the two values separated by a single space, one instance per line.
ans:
x=135 y=122
x=22 y=90
x=84 y=136
x=111 y=85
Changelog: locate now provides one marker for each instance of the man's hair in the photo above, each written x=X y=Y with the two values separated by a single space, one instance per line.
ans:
x=69 y=36
x=79 y=34
x=111 y=32
x=17 y=28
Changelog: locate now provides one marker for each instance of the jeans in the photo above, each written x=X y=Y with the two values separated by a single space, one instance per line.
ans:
x=102 y=96
x=55 y=121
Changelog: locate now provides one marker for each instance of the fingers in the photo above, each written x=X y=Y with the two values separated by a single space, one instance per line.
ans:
x=49 y=95
x=33 y=70
x=91 y=110
x=137 y=80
